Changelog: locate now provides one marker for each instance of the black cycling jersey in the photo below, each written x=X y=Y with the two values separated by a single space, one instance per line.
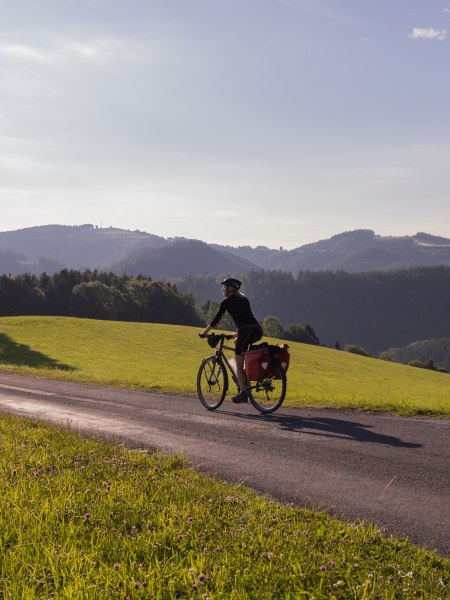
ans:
x=239 y=309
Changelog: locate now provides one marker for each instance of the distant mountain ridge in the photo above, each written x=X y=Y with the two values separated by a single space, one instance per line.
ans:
x=356 y=251
x=53 y=247
x=180 y=259
x=79 y=246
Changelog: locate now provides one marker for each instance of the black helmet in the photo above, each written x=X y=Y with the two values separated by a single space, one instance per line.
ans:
x=231 y=282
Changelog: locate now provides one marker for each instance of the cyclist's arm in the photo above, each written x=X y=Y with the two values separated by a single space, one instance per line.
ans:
x=205 y=332
x=219 y=314
x=216 y=319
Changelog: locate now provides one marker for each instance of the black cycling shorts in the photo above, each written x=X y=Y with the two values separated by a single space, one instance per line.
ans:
x=247 y=336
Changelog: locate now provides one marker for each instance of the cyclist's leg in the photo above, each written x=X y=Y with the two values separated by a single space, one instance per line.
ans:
x=245 y=337
x=240 y=372
x=242 y=344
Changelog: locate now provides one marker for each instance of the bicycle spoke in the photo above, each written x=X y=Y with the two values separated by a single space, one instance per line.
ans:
x=268 y=395
x=212 y=383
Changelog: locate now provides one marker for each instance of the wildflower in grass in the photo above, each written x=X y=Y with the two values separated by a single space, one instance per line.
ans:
x=322 y=568
x=201 y=578
x=332 y=563
x=87 y=517
x=116 y=566
x=270 y=555
x=338 y=584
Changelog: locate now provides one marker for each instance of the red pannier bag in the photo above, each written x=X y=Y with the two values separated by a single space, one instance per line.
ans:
x=257 y=363
x=281 y=354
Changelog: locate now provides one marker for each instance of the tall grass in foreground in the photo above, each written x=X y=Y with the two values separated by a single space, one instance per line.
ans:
x=81 y=519
x=167 y=357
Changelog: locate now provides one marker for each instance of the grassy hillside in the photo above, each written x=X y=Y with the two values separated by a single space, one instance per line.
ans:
x=166 y=358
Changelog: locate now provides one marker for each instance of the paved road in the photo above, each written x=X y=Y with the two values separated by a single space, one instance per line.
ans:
x=380 y=468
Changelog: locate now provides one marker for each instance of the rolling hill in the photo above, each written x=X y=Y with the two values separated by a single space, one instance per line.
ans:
x=354 y=251
x=123 y=355
x=75 y=247
x=88 y=246
x=180 y=259
x=15 y=263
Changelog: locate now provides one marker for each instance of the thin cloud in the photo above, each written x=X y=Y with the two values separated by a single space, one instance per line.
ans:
x=22 y=52
x=427 y=33
x=59 y=50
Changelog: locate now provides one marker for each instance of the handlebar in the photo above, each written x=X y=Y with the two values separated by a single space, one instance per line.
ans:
x=215 y=338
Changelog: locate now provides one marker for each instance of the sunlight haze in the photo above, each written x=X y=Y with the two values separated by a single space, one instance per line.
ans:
x=242 y=122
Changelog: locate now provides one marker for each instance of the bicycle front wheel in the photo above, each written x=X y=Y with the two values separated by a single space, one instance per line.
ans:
x=268 y=395
x=212 y=383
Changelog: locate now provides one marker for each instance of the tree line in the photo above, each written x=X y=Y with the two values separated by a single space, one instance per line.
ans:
x=376 y=310
x=100 y=295
x=97 y=295
x=429 y=354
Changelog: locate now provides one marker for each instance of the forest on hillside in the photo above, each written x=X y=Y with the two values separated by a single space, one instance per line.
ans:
x=376 y=309
x=428 y=353
x=96 y=295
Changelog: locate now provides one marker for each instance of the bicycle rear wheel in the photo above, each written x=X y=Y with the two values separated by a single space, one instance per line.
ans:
x=212 y=383
x=268 y=395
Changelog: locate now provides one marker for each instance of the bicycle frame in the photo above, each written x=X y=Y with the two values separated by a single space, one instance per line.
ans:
x=220 y=354
x=266 y=395
x=223 y=357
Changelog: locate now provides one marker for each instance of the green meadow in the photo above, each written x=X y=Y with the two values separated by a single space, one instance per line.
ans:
x=166 y=358
x=84 y=520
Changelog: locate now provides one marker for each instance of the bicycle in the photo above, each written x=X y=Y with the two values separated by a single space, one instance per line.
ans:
x=266 y=395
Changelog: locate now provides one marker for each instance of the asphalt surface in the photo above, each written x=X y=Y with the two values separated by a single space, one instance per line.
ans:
x=378 y=468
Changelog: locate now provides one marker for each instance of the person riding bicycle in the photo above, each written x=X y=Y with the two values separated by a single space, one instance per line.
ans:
x=248 y=328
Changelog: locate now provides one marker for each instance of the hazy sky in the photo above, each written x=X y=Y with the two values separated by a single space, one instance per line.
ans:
x=273 y=122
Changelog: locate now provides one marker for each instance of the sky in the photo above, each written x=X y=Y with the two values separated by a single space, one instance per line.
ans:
x=241 y=122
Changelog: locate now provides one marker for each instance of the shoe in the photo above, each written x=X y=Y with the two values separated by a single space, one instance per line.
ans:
x=240 y=398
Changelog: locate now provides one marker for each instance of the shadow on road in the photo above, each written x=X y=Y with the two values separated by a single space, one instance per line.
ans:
x=20 y=354
x=329 y=427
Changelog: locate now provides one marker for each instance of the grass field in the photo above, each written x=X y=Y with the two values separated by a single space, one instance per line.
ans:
x=84 y=520
x=166 y=358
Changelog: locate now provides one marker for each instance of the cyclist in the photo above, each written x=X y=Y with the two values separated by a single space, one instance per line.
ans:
x=248 y=328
